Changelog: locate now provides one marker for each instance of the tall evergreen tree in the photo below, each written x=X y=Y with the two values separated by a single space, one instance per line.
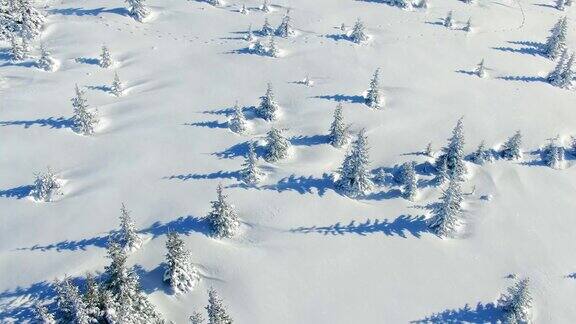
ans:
x=223 y=218
x=409 y=181
x=127 y=235
x=71 y=307
x=217 y=313
x=555 y=77
x=453 y=153
x=197 y=318
x=446 y=215
x=83 y=120
x=468 y=27
x=45 y=62
x=250 y=35
x=92 y=297
x=138 y=9
x=47 y=186
x=273 y=50
x=481 y=70
x=358 y=34
x=265 y=6
x=511 y=149
x=568 y=73
x=266 y=30
x=553 y=153
x=517 y=302
x=43 y=316
x=268 y=108
x=285 y=29
x=180 y=272
x=482 y=154
x=105 y=58
x=556 y=42
x=276 y=146
x=373 y=98
x=354 y=174
x=238 y=122
x=17 y=50
x=449 y=20
x=251 y=173
x=338 y=136
x=117 y=87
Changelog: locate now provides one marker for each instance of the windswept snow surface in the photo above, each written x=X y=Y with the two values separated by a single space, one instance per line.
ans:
x=306 y=254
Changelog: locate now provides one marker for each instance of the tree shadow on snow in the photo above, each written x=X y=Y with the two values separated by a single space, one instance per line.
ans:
x=338 y=37
x=342 y=98
x=67 y=245
x=103 y=88
x=303 y=185
x=17 y=192
x=20 y=306
x=237 y=150
x=529 y=48
x=309 y=140
x=208 y=124
x=404 y=224
x=206 y=176
x=482 y=313
x=88 y=60
x=183 y=225
x=153 y=280
x=89 y=12
x=523 y=78
x=52 y=122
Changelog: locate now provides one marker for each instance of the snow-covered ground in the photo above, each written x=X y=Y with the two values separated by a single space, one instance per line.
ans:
x=306 y=254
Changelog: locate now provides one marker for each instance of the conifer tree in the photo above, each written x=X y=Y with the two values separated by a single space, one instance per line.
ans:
x=556 y=42
x=553 y=153
x=276 y=146
x=354 y=174
x=46 y=186
x=30 y=20
x=268 y=108
x=517 y=302
x=83 y=120
x=117 y=87
x=561 y=5
x=481 y=70
x=511 y=149
x=122 y=283
x=358 y=34
x=217 y=313
x=265 y=6
x=223 y=218
x=250 y=35
x=445 y=216
x=17 y=50
x=45 y=62
x=266 y=30
x=43 y=316
x=259 y=49
x=453 y=153
x=272 y=49
x=243 y=10
x=409 y=181
x=138 y=9
x=238 y=122
x=127 y=235
x=180 y=272
x=555 y=77
x=338 y=136
x=428 y=151
x=482 y=154
x=373 y=98
x=197 y=318
x=251 y=174
x=449 y=20
x=568 y=73
x=92 y=297
x=468 y=26
x=105 y=58
x=71 y=307
x=285 y=29
x=442 y=171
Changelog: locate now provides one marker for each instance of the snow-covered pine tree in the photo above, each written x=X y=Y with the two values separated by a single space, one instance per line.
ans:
x=568 y=73
x=17 y=51
x=442 y=172
x=46 y=186
x=214 y=3
x=238 y=122
x=445 y=216
x=265 y=6
x=556 y=42
x=223 y=218
x=276 y=146
x=409 y=181
x=45 y=62
x=268 y=108
x=354 y=174
x=453 y=153
x=511 y=148
x=266 y=30
x=243 y=10
x=197 y=318
x=468 y=26
x=117 y=87
x=481 y=70
x=105 y=58
x=217 y=313
x=251 y=174
x=338 y=136
x=285 y=28
x=43 y=316
x=127 y=235
x=273 y=50
x=555 y=77
x=428 y=151
x=122 y=283
x=180 y=273
x=482 y=154
x=449 y=20
x=138 y=9
x=92 y=297
x=28 y=20
x=553 y=153
x=373 y=98
x=561 y=5
x=517 y=302
x=250 y=35
x=259 y=49
x=83 y=120
x=358 y=34
x=71 y=307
